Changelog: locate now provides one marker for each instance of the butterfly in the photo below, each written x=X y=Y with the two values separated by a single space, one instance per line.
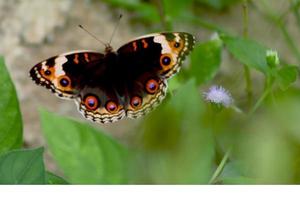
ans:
x=112 y=85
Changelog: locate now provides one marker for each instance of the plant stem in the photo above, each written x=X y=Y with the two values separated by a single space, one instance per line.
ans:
x=268 y=89
x=166 y=24
x=291 y=43
x=245 y=18
x=246 y=68
x=259 y=102
x=281 y=25
x=220 y=167
x=294 y=7
x=297 y=16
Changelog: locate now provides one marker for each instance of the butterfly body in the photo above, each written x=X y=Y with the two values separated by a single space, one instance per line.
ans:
x=128 y=82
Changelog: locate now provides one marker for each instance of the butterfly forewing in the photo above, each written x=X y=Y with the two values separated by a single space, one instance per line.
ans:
x=67 y=73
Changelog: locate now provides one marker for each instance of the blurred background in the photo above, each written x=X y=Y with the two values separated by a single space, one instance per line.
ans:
x=34 y=30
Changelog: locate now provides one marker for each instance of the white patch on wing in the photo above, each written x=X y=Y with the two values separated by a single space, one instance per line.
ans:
x=177 y=37
x=44 y=67
x=161 y=39
x=59 y=61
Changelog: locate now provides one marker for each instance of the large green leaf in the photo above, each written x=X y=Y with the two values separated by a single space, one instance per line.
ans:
x=10 y=120
x=175 y=146
x=206 y=60
x=22 y=167
x=247 y=52
x=86 y=155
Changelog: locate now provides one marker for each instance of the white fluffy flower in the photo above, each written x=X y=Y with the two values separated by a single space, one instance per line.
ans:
x=218 y=95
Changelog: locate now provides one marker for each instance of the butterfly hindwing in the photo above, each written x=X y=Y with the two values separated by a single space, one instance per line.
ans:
x=100 y=104
x=144 y=94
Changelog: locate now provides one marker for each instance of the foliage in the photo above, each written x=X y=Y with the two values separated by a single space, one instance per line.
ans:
x=207 y=55
x=11 y=122
x=86 y=155
x=175 y=144
x=186 y=140
x=22 y=167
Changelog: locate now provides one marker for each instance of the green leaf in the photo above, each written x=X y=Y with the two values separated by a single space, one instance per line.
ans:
x=287 y=76
x=176 y=148
x=53 y=179
x=247 y=52
x=22 y=167
x=10 y=120
x=206 y=60
x=86 y=155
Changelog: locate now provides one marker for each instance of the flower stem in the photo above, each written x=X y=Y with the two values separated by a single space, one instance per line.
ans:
x=246 y=68
x=220 y=167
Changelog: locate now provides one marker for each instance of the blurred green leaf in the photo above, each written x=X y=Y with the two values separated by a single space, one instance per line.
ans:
x=285 y=116
x=247 y=52
x=265 y=151
x=11 y=120
x=86 y=155
x=53 y=179
x=206 y=60
x=218 y=4
x=287 y=76
x=232 y=174
x=22 y=167
x=176 y=8
x=240 y=180
x=173 y=83
x=176 y=147
x=145 y=11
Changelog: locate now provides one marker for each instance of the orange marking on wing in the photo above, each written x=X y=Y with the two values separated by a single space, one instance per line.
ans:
x=67 y=87
x=76 y=60
x=49 y=75
x=145 y=44
x=167 y=67
x=86 y=57
x=134 y=46
x=178 y=48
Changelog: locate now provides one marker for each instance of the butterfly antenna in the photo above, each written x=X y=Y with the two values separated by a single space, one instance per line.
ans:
x=116 y=27
x=105 y=44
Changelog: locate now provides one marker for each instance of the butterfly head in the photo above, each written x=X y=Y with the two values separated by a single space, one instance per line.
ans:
x=108 y=48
